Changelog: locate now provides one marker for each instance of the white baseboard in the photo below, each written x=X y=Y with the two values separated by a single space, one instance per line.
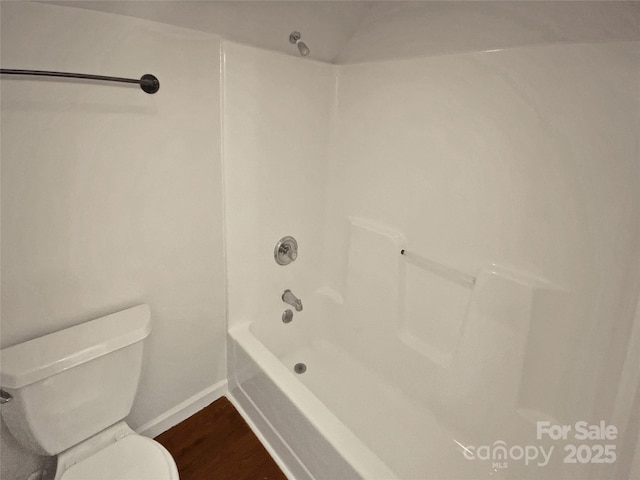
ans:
x=183 y=410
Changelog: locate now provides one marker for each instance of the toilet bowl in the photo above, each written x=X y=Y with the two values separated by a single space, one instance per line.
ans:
x=122 y=454
x=67 y=394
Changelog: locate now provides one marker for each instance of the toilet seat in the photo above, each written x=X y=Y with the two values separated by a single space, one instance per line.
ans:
x=133 y=457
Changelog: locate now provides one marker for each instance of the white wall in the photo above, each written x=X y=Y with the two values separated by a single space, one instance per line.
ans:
x=112 y=197
x=277 y=112
x=393 y=30
x=526 y=159
x=520 y=161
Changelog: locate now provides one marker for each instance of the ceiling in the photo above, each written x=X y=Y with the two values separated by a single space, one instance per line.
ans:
x=326 y=26
x=358 y=31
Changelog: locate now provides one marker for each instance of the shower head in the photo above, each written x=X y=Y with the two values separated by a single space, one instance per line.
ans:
x=295 y=37
x=304 y=50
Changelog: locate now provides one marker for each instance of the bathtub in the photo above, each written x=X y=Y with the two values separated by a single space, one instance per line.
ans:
x=309 y=441
x=339 y=419
x=403 y=386
x=375 y=402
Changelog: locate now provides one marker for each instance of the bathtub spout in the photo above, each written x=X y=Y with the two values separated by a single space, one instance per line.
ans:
x=292 y=300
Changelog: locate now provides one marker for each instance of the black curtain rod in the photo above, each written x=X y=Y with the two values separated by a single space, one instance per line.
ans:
x=149 y=83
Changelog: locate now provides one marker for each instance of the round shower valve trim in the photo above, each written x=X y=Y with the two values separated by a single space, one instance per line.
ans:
x=286 y=250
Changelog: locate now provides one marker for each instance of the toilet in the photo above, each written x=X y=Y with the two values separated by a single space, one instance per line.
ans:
x=67 y=394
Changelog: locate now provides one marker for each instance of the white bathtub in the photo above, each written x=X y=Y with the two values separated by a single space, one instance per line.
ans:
x=372 y=405
x=307 y=438
x=405 y=373
x=338 y=420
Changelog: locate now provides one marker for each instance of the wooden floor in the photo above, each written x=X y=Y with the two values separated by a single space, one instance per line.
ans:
x=217 y=444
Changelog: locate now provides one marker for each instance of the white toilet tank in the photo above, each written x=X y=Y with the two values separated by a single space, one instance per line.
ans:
x=72 y=384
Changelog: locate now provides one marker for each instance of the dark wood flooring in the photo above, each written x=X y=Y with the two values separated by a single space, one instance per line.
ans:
x=217 y=444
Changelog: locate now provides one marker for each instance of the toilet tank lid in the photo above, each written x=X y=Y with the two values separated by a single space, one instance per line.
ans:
x=28 y=362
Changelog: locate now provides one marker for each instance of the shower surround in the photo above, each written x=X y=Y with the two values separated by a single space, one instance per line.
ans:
x=511 y=180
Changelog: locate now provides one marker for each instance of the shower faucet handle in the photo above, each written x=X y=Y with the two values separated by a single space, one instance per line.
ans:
x=289 y=251
x=286 y=250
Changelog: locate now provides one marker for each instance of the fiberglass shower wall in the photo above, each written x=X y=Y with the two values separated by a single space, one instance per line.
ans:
x=516 y=167
x=277 y=112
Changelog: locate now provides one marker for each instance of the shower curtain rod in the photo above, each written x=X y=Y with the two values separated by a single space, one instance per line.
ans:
x=149 y=83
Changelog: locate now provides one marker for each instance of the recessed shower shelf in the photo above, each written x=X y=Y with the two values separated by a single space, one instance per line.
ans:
x=439 y=269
